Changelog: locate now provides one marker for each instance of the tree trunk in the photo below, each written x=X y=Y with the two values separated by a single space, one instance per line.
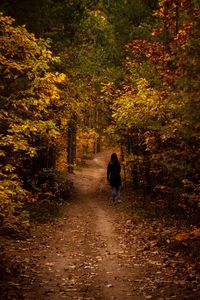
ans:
x=71 y=148
x=147 y=165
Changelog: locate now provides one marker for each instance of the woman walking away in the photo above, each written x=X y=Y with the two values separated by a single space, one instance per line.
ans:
x=114 y=177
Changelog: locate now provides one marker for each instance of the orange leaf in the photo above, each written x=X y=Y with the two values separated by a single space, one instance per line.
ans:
x=182 y=236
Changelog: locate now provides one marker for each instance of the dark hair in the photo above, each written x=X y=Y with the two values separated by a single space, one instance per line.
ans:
x=114 y=159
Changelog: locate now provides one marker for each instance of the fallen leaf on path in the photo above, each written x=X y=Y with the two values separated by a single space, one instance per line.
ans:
x=109 y=285
x=49 y=264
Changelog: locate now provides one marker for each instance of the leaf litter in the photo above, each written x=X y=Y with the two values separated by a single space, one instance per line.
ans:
x=81 y=256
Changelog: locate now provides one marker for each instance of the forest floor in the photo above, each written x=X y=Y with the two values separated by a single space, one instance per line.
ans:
x=102 y=251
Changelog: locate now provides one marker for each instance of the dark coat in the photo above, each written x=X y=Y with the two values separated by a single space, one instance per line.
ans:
x=113 y=174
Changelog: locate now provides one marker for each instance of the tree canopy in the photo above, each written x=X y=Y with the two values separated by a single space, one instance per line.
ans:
x=76 y=72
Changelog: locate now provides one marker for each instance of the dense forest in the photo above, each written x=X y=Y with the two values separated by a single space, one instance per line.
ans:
x=77 y=76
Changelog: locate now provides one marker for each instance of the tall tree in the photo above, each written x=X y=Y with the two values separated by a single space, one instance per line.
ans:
x=158 y=103
x=30 y=98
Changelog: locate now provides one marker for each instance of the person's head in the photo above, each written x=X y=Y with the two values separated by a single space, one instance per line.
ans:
x=114 y=158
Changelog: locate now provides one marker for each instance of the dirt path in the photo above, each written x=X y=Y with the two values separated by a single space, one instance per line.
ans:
x=85 y=258
x=95 y=251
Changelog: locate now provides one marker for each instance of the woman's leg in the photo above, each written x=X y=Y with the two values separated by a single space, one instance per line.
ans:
x=117 y=198
x=114 y=193
x=118 y=193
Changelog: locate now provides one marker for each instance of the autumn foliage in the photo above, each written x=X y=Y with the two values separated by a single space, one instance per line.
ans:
x=29 y=99
x=134 y=82
x=156 y=112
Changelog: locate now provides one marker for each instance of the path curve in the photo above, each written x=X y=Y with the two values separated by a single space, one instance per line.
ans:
x=97 y=251
x=85 y=258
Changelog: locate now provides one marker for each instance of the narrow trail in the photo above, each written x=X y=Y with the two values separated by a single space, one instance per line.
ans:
x=105 y=255
x=96 y=251
x=84 y=257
